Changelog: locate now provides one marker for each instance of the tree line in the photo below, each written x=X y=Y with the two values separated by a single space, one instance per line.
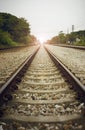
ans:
x=14 y=30
x=73 y=38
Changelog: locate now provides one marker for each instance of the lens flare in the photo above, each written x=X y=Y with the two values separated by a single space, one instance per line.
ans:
x=42 y=38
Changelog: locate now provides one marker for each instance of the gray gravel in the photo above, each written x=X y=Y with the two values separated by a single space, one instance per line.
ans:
x=41 y=126
x=74 y=59
x=11 y=60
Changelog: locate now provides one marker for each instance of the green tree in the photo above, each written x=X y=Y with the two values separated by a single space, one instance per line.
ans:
x=18 y=28
x=62 y=37
x=21 y=30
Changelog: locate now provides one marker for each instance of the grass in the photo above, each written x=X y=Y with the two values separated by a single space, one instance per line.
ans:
x=80 y=43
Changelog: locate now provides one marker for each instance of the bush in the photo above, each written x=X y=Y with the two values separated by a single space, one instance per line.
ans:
x=5 y=39
x=80 y=43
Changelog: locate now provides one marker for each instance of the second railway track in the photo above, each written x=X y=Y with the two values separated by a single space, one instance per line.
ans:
x=44 y=99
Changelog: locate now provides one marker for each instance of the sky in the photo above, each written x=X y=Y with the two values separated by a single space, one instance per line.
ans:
x=48 y=17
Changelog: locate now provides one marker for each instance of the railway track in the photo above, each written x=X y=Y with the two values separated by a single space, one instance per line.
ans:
x=40 y=97
x=71 y=58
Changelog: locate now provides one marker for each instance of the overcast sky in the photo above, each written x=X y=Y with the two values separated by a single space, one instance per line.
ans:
x=48 y=17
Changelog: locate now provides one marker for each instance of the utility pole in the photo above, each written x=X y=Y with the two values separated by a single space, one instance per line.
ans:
x=67 y=30
x=72 y=28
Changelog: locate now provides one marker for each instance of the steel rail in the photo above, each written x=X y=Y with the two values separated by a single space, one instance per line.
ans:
x=71 y=46
x=17 y=73
x=68 y=74
x=14 y=47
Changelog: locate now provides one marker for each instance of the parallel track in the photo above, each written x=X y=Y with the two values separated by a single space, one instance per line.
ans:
x=42 y=96
x=71 y=46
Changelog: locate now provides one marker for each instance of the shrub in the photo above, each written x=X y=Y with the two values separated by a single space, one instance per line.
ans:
x=5 y=39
